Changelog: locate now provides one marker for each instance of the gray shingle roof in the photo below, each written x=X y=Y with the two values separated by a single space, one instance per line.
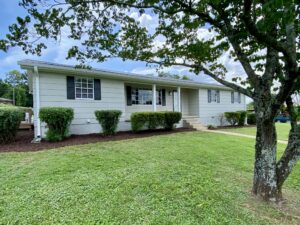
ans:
x=129 y=77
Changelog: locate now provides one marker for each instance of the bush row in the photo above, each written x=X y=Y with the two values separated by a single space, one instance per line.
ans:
x=10 y=119
x=239 y=117
x=152 y=120
x=58 y=120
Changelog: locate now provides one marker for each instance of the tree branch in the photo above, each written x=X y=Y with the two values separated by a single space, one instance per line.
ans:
x=292 y=152
x=209 y=73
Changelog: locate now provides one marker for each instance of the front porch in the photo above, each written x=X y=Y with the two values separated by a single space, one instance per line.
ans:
x=154 y=98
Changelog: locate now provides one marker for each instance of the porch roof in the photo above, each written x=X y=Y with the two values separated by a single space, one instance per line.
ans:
x=128 y=77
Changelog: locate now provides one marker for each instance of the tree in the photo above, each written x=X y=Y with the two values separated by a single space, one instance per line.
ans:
x=174 y=76
x=16 y=84
x=263 y=36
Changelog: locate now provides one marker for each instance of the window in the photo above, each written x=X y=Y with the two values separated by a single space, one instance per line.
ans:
x=84 y=88
x=213 y=96
x=144 y=96
x=235 y=97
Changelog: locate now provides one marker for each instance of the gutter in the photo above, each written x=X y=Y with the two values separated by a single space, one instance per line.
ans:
x=37 y=138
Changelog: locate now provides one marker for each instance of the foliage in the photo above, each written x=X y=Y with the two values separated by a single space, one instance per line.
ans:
x=171 y=118
x=211 y=127
x=152 y=120
x=250 y=106
x=108 y=120
x=58 y=120
x=251 y=118
x=174 y=76
x=232 y=117
x=242 y=118
x=10 y=119
x=16 y=83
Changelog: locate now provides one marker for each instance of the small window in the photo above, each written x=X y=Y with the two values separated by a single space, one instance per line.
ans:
x=213 y=96
x=84 y=88
x=235 y=97
x=144 y=96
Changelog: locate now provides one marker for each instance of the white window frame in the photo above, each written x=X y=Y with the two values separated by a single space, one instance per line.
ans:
x=215 y=96
x=158 y=96
x=237 y=98
x=93 y=88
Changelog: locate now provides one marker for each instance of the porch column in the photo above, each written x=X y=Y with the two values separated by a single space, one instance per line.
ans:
x=154 y=97
x=179 y=98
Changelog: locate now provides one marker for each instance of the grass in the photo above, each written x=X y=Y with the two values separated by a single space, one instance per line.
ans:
x=282 y=130
x=183 y=178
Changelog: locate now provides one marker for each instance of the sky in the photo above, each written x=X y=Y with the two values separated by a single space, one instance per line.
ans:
x=57 y=51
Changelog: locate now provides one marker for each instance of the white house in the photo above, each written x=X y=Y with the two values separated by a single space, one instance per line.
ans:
x=87 y=90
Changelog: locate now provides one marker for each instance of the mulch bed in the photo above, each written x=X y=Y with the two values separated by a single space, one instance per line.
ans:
x=24 y=138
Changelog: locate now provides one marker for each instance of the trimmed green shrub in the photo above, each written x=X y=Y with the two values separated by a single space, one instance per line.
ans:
x=232 y=117
x=58 y=120
x=152 y=120
x=108 y=119
x=242 y=118
x=10 y=119
x=171 y=118
x=251 y=118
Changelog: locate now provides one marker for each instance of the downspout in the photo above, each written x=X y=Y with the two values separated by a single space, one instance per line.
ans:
x=37 y=137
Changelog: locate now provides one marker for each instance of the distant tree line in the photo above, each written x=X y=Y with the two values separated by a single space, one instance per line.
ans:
x=16 y=84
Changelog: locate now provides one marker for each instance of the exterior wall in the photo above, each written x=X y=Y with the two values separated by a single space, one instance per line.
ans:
x=113 y=96
x=210 y=112
x=53 y=93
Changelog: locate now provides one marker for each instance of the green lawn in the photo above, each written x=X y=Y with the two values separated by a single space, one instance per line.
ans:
x=282 y=130
x=183 y=178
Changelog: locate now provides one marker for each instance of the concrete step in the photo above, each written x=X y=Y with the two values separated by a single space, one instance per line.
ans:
x=194 y=123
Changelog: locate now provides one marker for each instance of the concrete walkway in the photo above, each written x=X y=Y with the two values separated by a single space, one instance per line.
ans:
x=239 y=135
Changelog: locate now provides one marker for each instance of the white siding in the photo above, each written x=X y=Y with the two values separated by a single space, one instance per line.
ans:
x=53 y=93
x=210 y=112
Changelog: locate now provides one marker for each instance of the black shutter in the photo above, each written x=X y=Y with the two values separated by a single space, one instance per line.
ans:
x=128 y=95
x=70 y=87
x=97 y=89
x=209 y=96
x=218 y=96
x=163 y=95
x=232 y=97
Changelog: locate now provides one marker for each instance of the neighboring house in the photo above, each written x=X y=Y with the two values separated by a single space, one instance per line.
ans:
x=6 y=101
x=87 y=90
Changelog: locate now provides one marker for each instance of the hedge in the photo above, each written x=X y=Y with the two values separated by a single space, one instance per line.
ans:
x=232 y=117
x=242 y=118
x=153 y=120
x=10 y=119
x=58 y=120
x=108 y=119
x=251 y=118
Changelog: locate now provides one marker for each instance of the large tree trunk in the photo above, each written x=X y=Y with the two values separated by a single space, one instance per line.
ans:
x=265 y=178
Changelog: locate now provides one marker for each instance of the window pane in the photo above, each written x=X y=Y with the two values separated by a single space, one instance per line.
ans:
x=78 y=90
x=90 y=91
x=90 y=96
x=78 y=95
x=84 y=91
x=90 y=85
x=84 y=95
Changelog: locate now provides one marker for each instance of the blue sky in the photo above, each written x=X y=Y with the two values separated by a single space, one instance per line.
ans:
x=56 y=51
